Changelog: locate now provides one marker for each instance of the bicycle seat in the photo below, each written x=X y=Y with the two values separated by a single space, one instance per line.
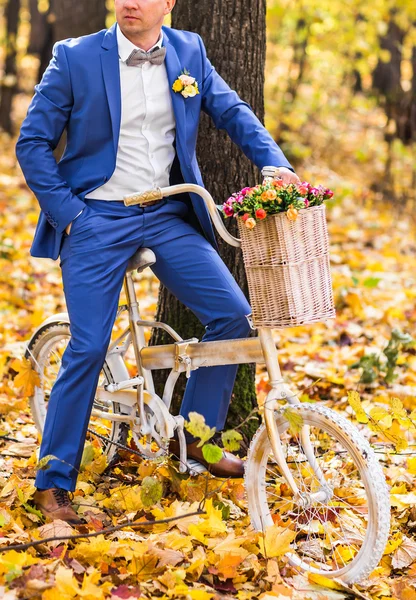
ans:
x=142 y=258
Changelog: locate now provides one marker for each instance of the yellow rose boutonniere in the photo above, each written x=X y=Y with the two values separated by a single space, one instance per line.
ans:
x=186 y=85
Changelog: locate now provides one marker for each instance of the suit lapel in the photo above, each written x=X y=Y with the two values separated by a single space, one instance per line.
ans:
x=111 y=74
x=173 y=69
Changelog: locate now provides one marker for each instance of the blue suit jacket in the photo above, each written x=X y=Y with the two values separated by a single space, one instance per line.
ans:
x=80 y=90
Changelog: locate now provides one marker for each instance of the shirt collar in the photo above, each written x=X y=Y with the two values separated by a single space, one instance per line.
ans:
x=126 y=47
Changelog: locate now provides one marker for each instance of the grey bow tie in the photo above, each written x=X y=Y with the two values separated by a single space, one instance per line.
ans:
x=138 y=57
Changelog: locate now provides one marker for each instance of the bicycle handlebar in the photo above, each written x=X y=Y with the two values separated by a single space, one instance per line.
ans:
x=159 y=193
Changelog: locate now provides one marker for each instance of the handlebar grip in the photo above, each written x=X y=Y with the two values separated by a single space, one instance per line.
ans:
x=271 y=172
x=148 y=196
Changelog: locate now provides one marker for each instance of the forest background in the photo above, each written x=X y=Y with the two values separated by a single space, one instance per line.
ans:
x=340 y=100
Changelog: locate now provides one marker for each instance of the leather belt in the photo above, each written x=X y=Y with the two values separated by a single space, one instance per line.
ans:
x=150 y=203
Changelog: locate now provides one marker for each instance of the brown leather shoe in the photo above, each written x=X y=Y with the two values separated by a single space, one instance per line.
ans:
x=55 y=503
x=228 y=466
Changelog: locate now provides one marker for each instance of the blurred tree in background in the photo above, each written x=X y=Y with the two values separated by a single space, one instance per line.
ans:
x=340 y=78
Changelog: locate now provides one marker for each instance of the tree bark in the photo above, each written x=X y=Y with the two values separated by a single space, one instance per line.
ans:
x=72 y=18
x=9 y=82
x=64 y=19
x=234 y=33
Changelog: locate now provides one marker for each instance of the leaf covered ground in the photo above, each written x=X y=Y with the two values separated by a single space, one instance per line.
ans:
x=216 y=554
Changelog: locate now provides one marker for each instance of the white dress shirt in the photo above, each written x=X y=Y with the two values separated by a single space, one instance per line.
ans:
x=145 y=150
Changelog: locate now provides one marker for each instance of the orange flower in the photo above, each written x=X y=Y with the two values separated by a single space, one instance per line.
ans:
x=278 y=183
x=268 y=195
x=271 y=194
x=250 y=223
x=292 y=213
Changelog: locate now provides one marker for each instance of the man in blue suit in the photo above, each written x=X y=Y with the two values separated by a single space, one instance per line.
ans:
x=128 y=130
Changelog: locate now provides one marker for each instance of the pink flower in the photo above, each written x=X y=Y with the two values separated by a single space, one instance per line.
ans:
x=240 y=199
x=314 y=191
x=245 y=191
x=328 y=193
x=228 y=210
x=306 y=201
x=186 y=80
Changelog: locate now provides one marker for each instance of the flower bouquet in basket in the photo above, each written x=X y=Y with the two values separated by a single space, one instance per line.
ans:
x=284 y=239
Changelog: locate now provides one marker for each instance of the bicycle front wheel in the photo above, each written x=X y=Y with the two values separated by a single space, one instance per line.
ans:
x=343 y=536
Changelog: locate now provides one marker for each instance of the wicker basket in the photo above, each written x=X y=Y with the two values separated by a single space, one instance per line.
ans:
x=288 y=271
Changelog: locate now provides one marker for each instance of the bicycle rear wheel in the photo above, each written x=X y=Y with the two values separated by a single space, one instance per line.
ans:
x=45 y=352
x=345 y=535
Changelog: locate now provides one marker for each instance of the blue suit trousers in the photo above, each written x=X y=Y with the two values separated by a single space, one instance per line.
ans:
x=94 y=258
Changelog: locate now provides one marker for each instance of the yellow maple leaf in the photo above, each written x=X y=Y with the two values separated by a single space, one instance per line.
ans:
x=393 y=543
x=353 y=300
x=65 y=583
x=11 y=560
x=212 y=523
x=294 y=419
x=276 y=541
x=411 y=465
x=397 y=409
x=382 y=416
x=344 y=554
x=27 y=378
x=326 y=582
x=232 y=545
x=355 y=402
x=95 y=549
x=89 y=588
x=143 y=566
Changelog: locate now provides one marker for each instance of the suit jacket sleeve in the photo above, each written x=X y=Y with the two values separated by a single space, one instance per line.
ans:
x=40 y=133
x=229 y=112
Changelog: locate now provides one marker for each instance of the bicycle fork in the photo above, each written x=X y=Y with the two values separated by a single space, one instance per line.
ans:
x=280 y=390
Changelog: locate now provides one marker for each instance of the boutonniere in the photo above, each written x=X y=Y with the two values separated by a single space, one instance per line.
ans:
x=186 y=85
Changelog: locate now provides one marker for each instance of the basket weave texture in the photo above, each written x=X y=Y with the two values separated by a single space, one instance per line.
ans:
x=288 y=270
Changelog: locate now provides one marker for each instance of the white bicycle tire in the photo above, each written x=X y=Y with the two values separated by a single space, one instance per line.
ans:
x=368 y=466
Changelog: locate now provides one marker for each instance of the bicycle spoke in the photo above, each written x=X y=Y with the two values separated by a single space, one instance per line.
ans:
x=327 y=535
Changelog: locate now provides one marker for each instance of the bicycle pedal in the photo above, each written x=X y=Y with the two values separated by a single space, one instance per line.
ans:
x=195 y=468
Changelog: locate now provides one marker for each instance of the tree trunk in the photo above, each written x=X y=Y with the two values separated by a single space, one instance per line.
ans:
x=9 y=83
x=234 y=33
x=64 y=19
x=72 y=18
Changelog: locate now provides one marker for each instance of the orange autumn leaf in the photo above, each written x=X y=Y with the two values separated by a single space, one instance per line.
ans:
x=27 y=378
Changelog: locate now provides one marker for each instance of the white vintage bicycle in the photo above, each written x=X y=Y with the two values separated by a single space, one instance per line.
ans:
x=322 y=481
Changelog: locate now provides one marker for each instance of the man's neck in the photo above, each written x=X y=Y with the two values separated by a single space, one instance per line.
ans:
x=144 y=41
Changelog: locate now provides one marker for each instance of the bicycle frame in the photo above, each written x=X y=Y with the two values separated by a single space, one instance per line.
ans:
x=187 y=355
